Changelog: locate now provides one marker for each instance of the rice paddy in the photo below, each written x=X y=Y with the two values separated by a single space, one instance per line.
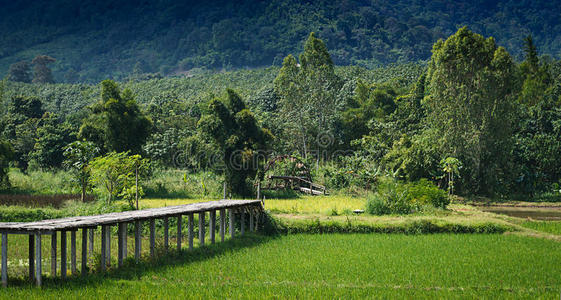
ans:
x=334 y=266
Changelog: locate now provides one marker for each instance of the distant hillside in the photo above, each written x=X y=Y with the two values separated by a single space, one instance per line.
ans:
x=96 y=39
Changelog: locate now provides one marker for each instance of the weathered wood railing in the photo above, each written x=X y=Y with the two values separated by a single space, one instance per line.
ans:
x=87 y=224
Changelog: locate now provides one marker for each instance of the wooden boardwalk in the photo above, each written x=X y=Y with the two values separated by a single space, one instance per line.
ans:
x=88 y=224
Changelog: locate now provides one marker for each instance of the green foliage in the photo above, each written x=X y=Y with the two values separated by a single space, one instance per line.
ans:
x=116 y=123
x=308 y=96
x=171 y=37
x=78 y=155
x=6 y=156
x=20 y=72
x=115 y=173
x=393 y=197
x=38 y=182
x=471 y=86
x=240 y=139
x=108 y=174
x=20 y=126
x=52 y=137
x=41 y=72
x=451 y=167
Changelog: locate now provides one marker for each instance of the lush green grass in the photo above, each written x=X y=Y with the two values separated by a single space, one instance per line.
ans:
x=553 y=227
x=325 y=205
x=332 y=266
x=43 y=183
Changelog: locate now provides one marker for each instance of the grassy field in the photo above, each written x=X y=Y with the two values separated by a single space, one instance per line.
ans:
x=351 y=265
x=553 y=227
x=325 y=205
x=333 y=266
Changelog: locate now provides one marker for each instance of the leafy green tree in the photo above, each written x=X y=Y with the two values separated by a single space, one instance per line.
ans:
x=52 y=137
x=451 y=167
x=116 y=123
x=78 y=155
x=20 y=72
x=239 y=137
x=21 y=123
x=135 y=166
x=535 y=74
x=538 y=148
x=6 y=156
x=308 y=95
x=471 y=85
x=41 y=72
x=117 y=174
x=371 y=102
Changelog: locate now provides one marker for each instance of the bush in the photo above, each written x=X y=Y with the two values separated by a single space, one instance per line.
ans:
x=377 y=206
x=393 y=197
x=424 y=192
x=390 y=198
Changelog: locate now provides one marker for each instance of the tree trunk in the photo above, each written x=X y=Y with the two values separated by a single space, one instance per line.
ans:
x=83 y=196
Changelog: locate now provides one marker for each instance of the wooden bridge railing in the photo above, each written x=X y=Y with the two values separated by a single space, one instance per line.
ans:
x=87 y=224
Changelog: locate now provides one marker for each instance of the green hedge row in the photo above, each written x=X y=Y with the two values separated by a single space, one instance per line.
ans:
x=414 y=227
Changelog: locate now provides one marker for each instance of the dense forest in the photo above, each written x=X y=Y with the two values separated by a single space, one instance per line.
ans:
x=95 y=40
x=472 y=121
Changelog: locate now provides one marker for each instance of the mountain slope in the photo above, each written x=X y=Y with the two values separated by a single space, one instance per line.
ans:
x=96 y=39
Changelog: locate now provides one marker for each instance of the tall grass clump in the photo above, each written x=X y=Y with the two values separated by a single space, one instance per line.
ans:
x=393 y=197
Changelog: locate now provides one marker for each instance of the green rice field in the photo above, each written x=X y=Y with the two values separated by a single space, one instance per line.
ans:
x=331 y=266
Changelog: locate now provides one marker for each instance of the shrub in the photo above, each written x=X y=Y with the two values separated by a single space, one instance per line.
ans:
x=390 y=198
x=424 y=192
x=377 y=206
x=393 y=197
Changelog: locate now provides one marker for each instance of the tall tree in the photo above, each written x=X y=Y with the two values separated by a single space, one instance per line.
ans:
x=78 y=155
x=535 y=75
x=52 y=136
x=21 y=123
x=240 y=138
x=471 y=87
x=6 y=155
x=41 y=72
x=116 y=123
x=20 y=72
x=308 y=93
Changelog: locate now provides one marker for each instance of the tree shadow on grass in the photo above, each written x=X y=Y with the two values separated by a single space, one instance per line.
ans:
x=133 y=271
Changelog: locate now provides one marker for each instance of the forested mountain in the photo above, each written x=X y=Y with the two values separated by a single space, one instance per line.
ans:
x=95 y=39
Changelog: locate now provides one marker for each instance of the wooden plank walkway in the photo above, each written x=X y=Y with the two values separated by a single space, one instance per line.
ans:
x=87 y=224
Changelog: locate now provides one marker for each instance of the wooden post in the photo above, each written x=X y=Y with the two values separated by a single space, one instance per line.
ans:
x=251 y=219
x=231 y=225
x=259 y=190
x=179 y=219
x=224 y=196
x=63 y=254
x=53 y=254
x=125 y=236
x=121 y=236
x=38 y=259
x=31 y=257
x=91 y=244
x=191 y=225
x=73 y=251
x=166 y=233
x=242 y=221
x=152 y=238
x=4 y=259
x=84 y=251
x=212 y=225
x=103 y=247
x=137 y=241
x=202 y=228
x=222 y=224
x=108 y=243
